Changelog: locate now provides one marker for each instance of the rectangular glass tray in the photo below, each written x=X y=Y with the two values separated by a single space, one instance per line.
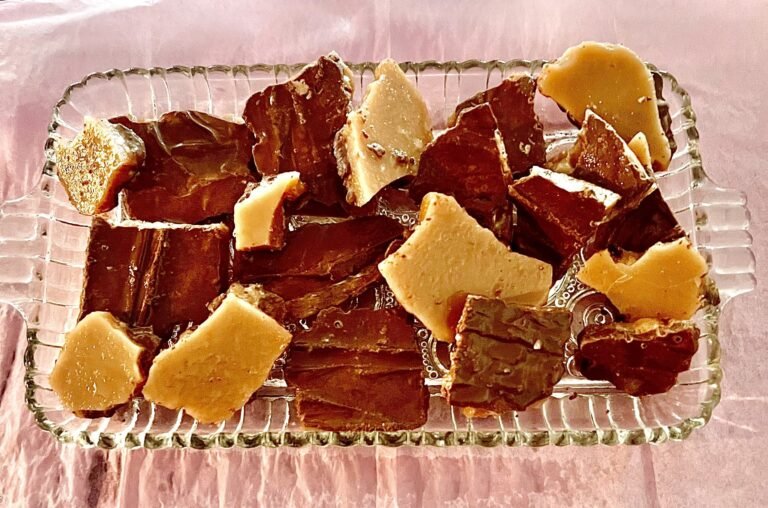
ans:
x=43 y=242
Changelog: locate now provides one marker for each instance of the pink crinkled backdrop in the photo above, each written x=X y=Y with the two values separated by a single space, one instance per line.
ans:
x=714 y=48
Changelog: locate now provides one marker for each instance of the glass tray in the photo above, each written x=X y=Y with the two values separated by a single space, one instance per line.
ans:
x=43 y=242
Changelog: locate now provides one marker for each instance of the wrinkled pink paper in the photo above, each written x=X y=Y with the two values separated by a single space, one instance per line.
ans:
x=715 y=48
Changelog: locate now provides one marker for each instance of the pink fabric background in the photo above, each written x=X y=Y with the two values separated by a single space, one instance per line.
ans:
x=717 y=50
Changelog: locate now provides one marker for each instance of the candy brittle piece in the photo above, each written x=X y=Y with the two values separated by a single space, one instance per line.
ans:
x=334 y=250
x=97 y=163
x=383 y=140
x=448 y=256
x=568 y=210
x=211 y=372
x=613 y=82
x=144 y=274
x=197 y=166
x=295 y=123
x=512 y=104
x=358 y=370
x=102 y=365
x=259 y=216
x=468 y=162
x=663 y=283
x=638 y=229
x=640 y=358
x=601 y=157
x=507 y=356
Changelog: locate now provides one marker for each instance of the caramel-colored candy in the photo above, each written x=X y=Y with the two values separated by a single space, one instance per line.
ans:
x=601 y=157
x=512 y=105
x=639 y=146
x=197 y=166
x=567 y=210
x=663 y=283
x=358 y=371
x=155 y=275
x=383 y=140
x=468 y=162
x=507 y=356
x=101 y=365
x=640 y=358
x=295 y=123
x=259 y=216
x=97 y=163
x=211 y=372
x=613 y=82
x=448 y=256
x=334 y=250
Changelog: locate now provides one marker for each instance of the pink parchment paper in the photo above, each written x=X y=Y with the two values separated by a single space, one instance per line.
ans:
x=716 y=48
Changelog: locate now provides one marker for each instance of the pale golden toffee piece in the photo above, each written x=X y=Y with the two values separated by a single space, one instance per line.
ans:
x=101 y=365
x=448 y=256
x=613 y=82
x=211 y=372
x=259 y=215
x=663 y=283
x=639 y=145
x=383 y=140
x=94 y=166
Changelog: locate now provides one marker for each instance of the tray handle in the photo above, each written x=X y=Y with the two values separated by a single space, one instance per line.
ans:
x=722 y=235
x=24 y=241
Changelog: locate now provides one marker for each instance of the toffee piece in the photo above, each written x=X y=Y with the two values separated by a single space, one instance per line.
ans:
x=512 y=105
x=150 y=275
x=507 y=356
x=448 y=256
x=358 y=371
x=640 y=358
x=97 y=163
x=211 y=372
x=566 y=209
x=295 y=123
x=102 y=365
x=197 y=167
x=383 y=140
x=468 y=162
x=334 y=250
x=612 y=81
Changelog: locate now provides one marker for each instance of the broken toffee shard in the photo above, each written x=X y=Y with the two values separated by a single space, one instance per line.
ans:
x=639 y=358
x=149 y=275
x=601 y=157
x=95 y=165
x=512 y=105
x=334 y=250
x=566 y=209
x=507 y=356
x=102 y=365
x=383 y=140
x=358 y=371
x=196 y=167
x=638 y=229
x=213 y=370
x=295 y=123
x=468 y=163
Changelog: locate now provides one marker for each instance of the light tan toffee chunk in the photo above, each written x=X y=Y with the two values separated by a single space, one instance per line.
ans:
x=100 y=365
x=259 y=214
x=213 y=371
x=663 y=283
x=612 y=81
x=94 y=166
x=383 y=140
x=448 y=256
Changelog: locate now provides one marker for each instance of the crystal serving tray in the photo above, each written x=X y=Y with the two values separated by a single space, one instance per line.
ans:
x=43 y=242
